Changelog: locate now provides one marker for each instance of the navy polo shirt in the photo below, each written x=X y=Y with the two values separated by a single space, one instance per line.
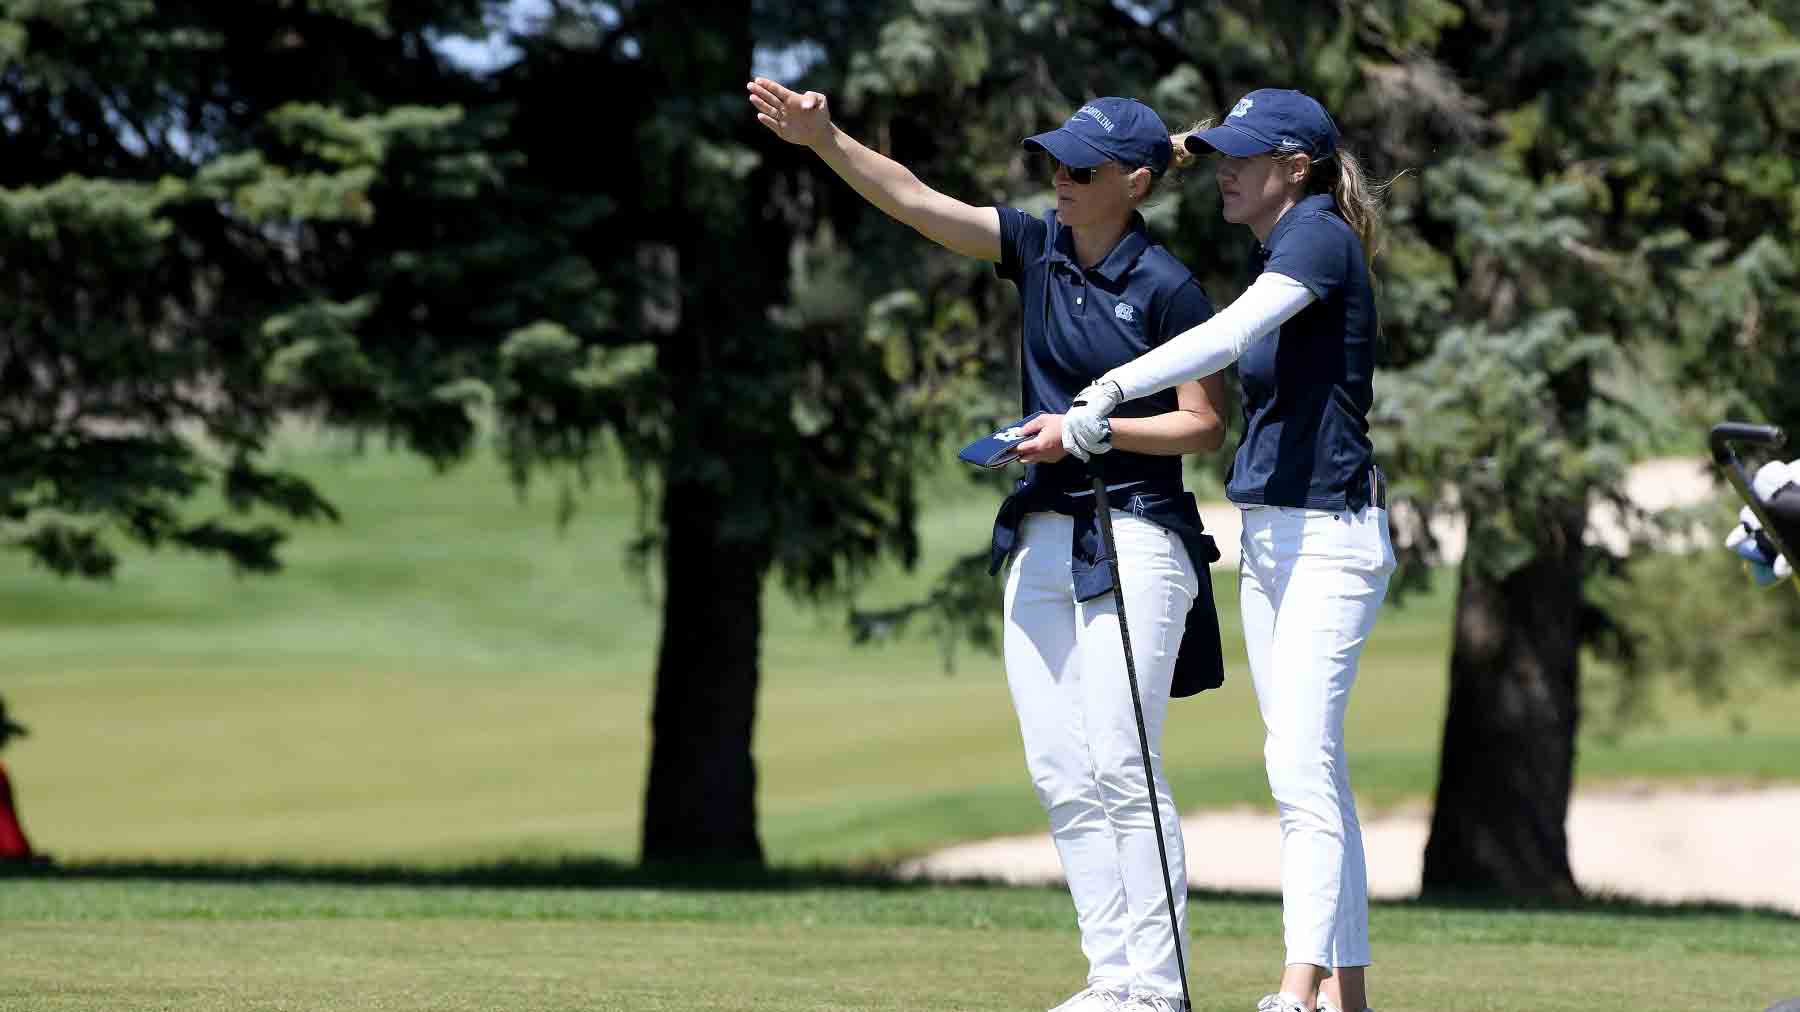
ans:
x=1078 y=323
x=1308 y=387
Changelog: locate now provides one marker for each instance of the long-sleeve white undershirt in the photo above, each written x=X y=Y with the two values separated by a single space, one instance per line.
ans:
x=1203 y=350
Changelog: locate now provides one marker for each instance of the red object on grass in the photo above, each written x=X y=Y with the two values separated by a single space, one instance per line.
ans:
x=13 y=845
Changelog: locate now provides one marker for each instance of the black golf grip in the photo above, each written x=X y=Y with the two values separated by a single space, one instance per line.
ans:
x=1726 y=433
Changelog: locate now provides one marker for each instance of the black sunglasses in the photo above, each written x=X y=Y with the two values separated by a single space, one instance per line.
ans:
x=1082 y=177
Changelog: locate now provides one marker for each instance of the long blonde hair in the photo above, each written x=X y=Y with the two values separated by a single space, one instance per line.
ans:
x=1358 y=199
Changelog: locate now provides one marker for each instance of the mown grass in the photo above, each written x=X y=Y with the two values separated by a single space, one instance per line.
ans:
x=601 y=936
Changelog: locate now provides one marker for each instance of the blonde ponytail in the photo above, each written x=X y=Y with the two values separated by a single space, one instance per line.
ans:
x=1184 y=159
x=1360 y=202
x=1358 y=199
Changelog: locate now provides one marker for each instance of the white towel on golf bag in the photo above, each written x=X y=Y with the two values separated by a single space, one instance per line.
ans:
x=1766 y=567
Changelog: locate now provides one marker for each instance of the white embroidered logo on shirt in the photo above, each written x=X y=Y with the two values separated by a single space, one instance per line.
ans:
x=1124 y=312
x=1242 y=107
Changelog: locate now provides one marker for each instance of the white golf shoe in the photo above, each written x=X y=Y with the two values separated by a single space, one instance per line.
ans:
x=1142 y=1002
x=1282 y=1002
x=1092 y=999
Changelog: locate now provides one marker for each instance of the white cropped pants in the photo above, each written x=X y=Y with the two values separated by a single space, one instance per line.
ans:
x=1066 y=669
x=1310 y=585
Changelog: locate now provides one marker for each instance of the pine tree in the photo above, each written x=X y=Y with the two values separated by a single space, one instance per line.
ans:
x=186 y=213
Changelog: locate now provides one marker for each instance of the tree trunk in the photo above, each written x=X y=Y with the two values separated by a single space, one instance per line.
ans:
x=1509 y=739
x=700 y=803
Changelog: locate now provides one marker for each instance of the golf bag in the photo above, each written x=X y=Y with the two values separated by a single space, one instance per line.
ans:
x=1768 y=527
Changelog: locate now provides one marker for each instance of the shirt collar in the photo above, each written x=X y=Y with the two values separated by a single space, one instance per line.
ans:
x=1316 y=202
x=1117 y=263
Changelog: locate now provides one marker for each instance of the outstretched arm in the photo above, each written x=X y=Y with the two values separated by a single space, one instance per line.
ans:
x=804 y=119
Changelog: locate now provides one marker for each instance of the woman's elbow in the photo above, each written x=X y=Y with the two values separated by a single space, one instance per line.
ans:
x=1207 y=442
x=1207 y=436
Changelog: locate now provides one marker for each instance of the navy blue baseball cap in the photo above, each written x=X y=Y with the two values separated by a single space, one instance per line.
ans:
x=1121 y=130
x=1271 y=119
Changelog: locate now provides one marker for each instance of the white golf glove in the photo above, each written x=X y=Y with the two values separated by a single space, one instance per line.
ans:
x=1086 y=428
x=1766 y=566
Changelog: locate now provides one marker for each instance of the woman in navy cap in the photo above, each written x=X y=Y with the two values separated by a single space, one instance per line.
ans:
x=1098 y=291
x=1316 y=553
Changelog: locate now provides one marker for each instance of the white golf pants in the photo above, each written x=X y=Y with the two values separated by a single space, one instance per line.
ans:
x=1066 y=669
x=1310 y=585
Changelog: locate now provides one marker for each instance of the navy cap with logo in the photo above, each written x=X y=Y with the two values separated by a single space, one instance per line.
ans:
x=1271 y=119
x=1121 y=130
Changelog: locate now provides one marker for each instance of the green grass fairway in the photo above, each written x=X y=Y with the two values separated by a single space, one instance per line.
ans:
x=88 y=946
x=447 y=677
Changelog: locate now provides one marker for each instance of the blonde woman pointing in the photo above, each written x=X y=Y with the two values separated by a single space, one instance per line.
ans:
x=1097 y=291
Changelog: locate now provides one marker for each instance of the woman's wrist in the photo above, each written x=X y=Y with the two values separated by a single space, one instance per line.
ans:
x=1171 y=434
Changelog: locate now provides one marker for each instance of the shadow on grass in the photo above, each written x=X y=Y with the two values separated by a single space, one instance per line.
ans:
x=572 y=873
x=604 y=873
x=1591 y=903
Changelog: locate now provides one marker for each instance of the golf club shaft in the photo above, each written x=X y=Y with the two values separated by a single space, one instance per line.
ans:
x=1104 y=509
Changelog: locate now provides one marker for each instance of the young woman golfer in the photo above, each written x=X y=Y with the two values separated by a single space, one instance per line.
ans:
x=1316 y=553
x=1097 y=291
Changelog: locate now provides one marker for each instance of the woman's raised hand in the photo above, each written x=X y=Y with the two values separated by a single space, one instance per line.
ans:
x=794 y=117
